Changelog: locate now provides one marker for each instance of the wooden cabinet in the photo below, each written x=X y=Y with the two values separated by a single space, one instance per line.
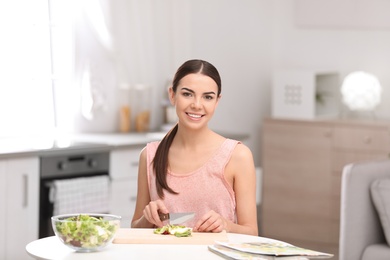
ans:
x=302 y=165
x=124 y=177
x=20 y=178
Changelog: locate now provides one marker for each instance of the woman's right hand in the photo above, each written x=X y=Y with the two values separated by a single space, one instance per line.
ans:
x=152 y=210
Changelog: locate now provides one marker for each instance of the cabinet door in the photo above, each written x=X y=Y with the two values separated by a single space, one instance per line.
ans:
x=124 y=162
x=124 y=175
x=22 y=195
x=297 y=181
x=2 y=208
x=123 y=200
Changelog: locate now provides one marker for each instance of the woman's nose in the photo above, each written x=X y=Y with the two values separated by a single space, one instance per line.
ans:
x=196 y=104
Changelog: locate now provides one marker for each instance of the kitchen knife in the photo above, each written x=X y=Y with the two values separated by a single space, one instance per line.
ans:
x=177 y=218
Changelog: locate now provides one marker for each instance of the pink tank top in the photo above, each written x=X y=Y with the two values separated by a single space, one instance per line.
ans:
x=199 y=191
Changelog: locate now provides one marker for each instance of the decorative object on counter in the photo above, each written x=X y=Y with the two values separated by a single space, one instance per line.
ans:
x=125 y=119
x=86 y=232
x=361 y=91
x=305 y=94
x=142 y=121
x=141 y=98
x=124 y=108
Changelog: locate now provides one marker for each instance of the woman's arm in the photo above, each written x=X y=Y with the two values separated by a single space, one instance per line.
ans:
x=146 y=211
x=143 y=197
x=241 y=167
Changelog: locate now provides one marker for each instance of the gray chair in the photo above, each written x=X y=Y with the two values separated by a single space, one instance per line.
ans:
x=361 y=234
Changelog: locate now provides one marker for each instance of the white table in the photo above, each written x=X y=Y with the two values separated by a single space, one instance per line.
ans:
x=52 y=248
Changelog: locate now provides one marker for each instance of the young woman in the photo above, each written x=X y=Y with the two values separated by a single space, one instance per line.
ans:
x=194 y=169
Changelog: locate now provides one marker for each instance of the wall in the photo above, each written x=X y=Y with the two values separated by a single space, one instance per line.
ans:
x=234 y=36
x=237 y=37
x=246 y=40
x=342 y=45
x=250 y=39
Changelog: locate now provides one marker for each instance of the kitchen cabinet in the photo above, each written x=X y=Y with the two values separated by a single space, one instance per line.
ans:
x=302 y=167
x=20 y=178
x=124 y=177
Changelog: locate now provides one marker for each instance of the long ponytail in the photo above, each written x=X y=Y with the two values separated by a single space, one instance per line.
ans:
x=160 y=163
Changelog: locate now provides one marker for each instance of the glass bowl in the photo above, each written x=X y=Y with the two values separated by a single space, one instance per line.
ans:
x=86 y=232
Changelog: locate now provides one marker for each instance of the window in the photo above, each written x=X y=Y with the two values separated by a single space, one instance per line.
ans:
x=26 y=105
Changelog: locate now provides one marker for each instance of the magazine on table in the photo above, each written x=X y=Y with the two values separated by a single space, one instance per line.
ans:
x=264 y=251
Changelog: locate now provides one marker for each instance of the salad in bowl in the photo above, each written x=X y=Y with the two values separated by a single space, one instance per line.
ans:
x=86 y=232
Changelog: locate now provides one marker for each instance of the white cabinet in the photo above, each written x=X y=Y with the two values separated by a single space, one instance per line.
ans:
x=124 y=175
x=305 y=94
x=20 y=199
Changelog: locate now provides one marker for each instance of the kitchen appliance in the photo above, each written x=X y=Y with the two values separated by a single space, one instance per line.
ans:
x=65 y=166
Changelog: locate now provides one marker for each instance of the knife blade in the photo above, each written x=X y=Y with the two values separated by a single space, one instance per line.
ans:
x=176 y=218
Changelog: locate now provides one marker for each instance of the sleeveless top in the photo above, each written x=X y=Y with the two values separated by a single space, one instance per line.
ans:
x=199 y=191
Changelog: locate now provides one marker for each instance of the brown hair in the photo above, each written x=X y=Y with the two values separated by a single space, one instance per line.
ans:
x=160 y=161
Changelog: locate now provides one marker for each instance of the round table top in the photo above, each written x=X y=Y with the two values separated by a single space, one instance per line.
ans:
x=52 y=248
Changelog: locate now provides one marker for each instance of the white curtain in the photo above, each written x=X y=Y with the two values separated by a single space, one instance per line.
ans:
x=25 y=69
x=84 y=66
x=95 y=47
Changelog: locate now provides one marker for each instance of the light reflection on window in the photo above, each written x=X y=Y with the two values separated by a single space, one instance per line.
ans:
x=25 y=83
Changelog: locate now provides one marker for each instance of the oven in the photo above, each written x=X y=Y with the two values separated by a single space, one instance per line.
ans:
x=60 y=169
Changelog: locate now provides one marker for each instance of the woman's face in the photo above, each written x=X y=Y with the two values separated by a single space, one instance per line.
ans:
x=195 y=100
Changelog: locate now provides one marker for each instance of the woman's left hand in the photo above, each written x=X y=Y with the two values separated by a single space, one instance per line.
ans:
x=210 y=222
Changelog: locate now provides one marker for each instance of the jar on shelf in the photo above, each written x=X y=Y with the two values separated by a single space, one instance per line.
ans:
x=124 y=108
x=141 y=103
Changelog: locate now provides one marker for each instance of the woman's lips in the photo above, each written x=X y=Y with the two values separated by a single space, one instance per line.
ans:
x=194 y=116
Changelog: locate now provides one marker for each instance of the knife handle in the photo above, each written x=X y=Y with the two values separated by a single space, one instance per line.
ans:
x=163 y=216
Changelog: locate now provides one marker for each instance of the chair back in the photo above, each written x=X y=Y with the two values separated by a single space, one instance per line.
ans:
x=359 y=222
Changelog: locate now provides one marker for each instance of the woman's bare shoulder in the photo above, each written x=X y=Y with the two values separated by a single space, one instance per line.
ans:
x=241 y=151
x=241 y=158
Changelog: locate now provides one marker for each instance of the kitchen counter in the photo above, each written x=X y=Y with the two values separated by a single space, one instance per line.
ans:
x=74 y=143
x=41 y=146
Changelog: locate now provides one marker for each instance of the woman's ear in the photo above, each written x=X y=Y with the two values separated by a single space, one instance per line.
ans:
x=171 y=94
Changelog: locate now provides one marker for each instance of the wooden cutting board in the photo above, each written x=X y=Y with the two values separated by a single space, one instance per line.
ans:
x=146 y=236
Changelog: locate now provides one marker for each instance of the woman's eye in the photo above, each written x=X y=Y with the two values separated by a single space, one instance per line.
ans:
x=186 y=94
x=208 y=97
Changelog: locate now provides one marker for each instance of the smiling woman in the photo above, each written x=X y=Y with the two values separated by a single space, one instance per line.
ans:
x=194 y=169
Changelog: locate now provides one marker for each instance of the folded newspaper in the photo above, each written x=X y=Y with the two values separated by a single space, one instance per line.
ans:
x=264 y=251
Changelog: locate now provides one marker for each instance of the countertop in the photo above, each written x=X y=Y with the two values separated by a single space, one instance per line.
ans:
x=80 y=143
x=73 y=143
